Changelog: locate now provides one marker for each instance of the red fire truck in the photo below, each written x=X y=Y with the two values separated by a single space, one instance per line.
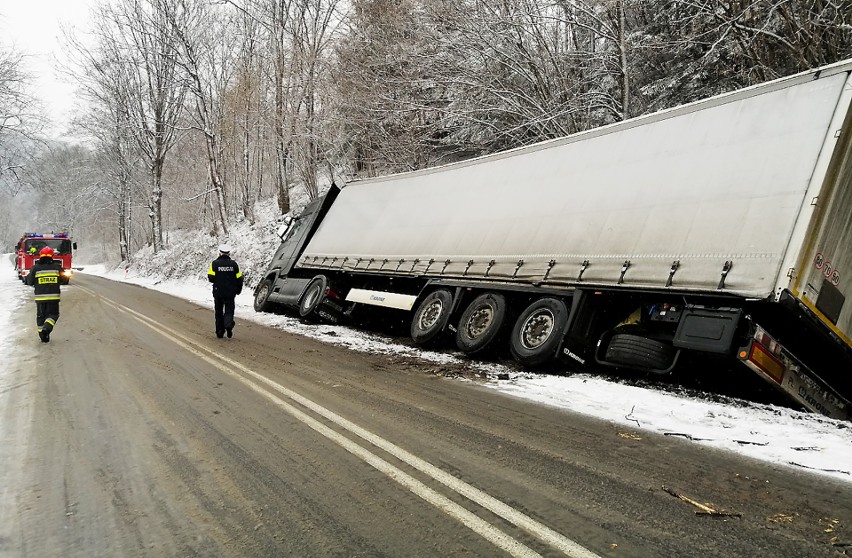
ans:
x=31 y=244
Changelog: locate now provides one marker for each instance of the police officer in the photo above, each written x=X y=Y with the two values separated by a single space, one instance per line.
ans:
x=227 y=281
x=44 y=276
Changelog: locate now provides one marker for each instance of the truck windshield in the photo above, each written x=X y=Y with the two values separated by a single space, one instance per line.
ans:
x=60 y=245
x=292 y=228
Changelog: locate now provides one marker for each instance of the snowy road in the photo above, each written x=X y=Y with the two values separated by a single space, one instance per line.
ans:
x=142 y=434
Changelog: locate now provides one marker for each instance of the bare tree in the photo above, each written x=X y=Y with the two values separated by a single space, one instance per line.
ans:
x=20 y=123
x=389 y=95
x=203 y=53
x=698 y=48
x=313 y=28
x=136 y=37
x=423 y=81
x=537 y=69
x=116 y=159
x=279 y=19
x=64 y=179
x=244 y=107
x=300 y=36
x=100 y=77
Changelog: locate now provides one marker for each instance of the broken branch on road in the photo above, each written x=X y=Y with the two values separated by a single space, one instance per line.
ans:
x=703 y=509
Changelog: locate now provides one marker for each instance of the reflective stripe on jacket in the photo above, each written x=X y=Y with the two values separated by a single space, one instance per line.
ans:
x=226 y=277
x=44 y=276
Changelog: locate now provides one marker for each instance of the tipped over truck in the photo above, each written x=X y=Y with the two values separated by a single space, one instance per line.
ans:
x=719 y=228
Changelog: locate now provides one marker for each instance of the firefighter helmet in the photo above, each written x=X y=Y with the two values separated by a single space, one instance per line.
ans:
x=46 y=252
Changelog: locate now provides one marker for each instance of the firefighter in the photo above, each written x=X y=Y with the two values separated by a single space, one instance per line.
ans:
x=44 y=276
x=227 y=281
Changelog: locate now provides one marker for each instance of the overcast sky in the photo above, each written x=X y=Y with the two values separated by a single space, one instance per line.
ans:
x=34 y=28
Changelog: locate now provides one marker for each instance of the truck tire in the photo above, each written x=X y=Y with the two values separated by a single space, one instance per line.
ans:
x=480 y=323
x=261 y=296
x=640 y=352
x=313 y=296
x=538 y=331
x=431 y=316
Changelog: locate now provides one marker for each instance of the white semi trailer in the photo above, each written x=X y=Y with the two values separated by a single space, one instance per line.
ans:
x=722 y=227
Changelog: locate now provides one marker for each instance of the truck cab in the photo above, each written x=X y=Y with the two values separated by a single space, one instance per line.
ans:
x=282 y=282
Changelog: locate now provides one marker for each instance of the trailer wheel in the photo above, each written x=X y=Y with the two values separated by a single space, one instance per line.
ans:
x=261 y=297
x=481 y=322
x=538 y=331
x=639 y=352
x=431 y=316
x=313 y=296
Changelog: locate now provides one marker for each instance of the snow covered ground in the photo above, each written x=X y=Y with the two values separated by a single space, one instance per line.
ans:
x=773 y=434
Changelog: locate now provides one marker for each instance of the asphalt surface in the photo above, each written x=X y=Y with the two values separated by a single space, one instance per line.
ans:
x=136 y=432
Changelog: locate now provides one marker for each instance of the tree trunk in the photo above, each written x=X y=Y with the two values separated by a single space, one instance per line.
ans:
x=247 y=206
x=625 y=72
x=124 y=220
x=155 y=208
x=282 y=188
x=216 y=179
x=309 y=165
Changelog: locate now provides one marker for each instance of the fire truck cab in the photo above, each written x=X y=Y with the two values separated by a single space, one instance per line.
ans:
x=31 y=244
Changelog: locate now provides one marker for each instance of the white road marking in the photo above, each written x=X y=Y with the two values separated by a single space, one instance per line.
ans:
x=481 y=527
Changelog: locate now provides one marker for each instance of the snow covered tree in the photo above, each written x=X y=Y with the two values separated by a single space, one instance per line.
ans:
x=64 y=179
x=100 y=75
x=20 y=124
x=388 y=100
x=201 y=40
x=694 y=49
x=141 y=44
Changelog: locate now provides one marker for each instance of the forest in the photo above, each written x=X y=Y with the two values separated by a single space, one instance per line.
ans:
x=196 y=111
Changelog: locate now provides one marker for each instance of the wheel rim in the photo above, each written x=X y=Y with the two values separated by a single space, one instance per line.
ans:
x=431 y=314
x=537 y=329
x=262 y=294
x=311 y=297
x=479 y=322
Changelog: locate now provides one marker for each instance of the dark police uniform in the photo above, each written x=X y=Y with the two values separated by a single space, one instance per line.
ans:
x=44 y=276
x=227 y=281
